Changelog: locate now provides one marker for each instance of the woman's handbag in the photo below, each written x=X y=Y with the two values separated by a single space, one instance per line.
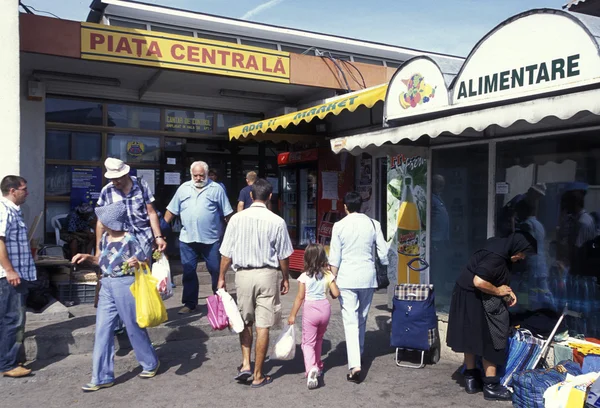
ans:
x=149 y=308
x=381 y=271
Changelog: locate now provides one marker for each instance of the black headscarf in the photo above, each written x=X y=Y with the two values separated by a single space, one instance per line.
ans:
x=492 y=263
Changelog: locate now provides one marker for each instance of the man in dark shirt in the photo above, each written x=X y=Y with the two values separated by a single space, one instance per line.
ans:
x=244 y=199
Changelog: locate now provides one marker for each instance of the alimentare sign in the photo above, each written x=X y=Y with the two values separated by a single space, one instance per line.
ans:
x=149 y=48
x=532 y=74
x=523 y=57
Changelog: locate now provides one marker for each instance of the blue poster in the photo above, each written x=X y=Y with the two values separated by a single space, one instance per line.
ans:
x=86 y=184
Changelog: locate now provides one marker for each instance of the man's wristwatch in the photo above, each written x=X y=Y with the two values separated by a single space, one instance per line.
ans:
x=161 y=237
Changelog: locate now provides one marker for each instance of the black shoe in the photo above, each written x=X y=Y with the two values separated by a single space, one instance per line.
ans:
x=496 y=392
x=473 y=384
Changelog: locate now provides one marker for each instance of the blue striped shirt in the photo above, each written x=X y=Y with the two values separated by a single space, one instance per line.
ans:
x=14 y=231
x=256 y=238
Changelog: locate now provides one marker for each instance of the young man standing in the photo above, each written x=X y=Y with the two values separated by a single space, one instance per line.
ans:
x=244 y=199
x=16 y=270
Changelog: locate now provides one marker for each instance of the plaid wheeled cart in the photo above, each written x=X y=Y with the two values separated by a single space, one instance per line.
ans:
x=414 y=321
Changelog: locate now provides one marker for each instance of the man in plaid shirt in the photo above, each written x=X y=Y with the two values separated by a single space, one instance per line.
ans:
x=16 y=269
x=138 y=199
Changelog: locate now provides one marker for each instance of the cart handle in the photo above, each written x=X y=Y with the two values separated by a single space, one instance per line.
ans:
x=420 y=260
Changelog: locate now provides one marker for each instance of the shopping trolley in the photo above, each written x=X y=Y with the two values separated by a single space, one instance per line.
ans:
x=414 y=322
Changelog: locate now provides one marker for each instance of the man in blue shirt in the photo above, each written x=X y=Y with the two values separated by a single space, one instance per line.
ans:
x=203 y=208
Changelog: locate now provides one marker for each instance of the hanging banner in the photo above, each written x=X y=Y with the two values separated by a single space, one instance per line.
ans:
x=406 y=213
x=86 y=184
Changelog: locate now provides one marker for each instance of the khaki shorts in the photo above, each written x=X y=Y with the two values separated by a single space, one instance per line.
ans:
x=257 y=294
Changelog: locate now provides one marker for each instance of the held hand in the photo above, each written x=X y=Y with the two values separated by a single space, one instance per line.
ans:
x=161 y=244
x=285 y=286
x=291 y=320
x=513 y=300
x=504 y=290
x=221 y=284
x=133 y=262
x=13 y=278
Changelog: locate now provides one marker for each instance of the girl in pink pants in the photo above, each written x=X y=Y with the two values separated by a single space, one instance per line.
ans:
x=313 y=285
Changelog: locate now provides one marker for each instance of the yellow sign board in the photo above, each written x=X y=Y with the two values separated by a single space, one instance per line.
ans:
x=155 y=49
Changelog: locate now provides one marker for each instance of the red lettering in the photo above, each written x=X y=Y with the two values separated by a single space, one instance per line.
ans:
x=264 y=65
x=223 y=55
x=154 y=49
x=138 y=45
x=123 y=45
x=279 y=68
x=111 y=45
x=237 y=59
x=193 y=54
x=174 y=54
x=252 y=63
x=96 y=39
x=209 y=55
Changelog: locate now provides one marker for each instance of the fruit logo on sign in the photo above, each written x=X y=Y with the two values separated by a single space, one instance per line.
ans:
x=135 y=149
x=417 y=92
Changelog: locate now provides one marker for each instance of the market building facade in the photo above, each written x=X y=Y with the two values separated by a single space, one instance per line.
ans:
x=159 y=88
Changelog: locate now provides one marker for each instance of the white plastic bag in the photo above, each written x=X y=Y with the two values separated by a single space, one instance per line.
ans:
x=231 y=310
x=162 y=272
x=285 y=346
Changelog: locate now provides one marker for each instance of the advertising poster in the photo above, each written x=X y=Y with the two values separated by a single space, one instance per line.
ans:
x=406 y=214
x=86 y=184
x=364 y=184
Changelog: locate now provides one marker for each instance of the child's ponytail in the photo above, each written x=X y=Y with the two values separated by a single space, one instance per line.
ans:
x=315 y=260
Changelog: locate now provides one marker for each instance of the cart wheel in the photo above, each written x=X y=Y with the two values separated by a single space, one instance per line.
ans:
x=435 y=354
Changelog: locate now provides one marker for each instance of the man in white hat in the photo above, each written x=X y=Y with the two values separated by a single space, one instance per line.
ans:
x=138 y=199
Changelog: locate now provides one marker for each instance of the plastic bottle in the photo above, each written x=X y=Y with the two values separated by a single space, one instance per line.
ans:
x=408 y=233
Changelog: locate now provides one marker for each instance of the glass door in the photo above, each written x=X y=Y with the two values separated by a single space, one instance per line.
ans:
x=289 y=198
x=307 y=205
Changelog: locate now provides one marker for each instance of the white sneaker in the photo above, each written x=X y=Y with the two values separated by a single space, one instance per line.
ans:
x=311 y=380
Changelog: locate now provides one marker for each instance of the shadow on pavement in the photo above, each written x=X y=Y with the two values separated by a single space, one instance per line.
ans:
x=186 y=359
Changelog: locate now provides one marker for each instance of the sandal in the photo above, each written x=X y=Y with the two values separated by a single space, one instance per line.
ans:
x=266 y=380
x=242 y=375
x=354 y=377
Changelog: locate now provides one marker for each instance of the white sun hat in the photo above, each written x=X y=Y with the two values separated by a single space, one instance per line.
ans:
x=115 y=168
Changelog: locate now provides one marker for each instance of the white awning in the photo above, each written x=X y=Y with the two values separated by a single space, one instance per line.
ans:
x=562 y=107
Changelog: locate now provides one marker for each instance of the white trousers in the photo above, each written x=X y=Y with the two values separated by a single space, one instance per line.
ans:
x=355 y=305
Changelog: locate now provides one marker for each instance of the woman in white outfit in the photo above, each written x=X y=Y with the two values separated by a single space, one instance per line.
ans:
x=352 y=260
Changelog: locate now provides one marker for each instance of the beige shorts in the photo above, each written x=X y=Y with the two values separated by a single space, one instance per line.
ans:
x=257 y=294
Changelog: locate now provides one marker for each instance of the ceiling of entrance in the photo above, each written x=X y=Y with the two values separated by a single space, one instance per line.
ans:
x=165 y=86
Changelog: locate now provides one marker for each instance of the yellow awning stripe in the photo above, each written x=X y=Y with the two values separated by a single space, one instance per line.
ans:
x=351 y=101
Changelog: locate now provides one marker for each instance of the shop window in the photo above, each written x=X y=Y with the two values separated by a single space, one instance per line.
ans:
x=208 y=36
x=297 y=50
x=134 y=117
x=458 y=226
x=65 y=145
x=368 y=61
x=188 y=121
x=551 y=188
x=77 y=112
x=58 y=180
x=127 y=24
x=229 y=120
x=52 y=210
x=134 y=149
x=170 y=30
x=260 y=44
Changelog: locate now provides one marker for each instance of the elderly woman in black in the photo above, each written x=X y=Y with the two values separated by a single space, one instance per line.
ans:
x=478 y=324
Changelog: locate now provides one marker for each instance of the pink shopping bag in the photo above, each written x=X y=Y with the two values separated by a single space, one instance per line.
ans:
x=216 y=313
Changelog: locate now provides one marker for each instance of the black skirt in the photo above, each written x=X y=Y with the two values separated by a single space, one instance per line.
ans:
x=468 y=330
